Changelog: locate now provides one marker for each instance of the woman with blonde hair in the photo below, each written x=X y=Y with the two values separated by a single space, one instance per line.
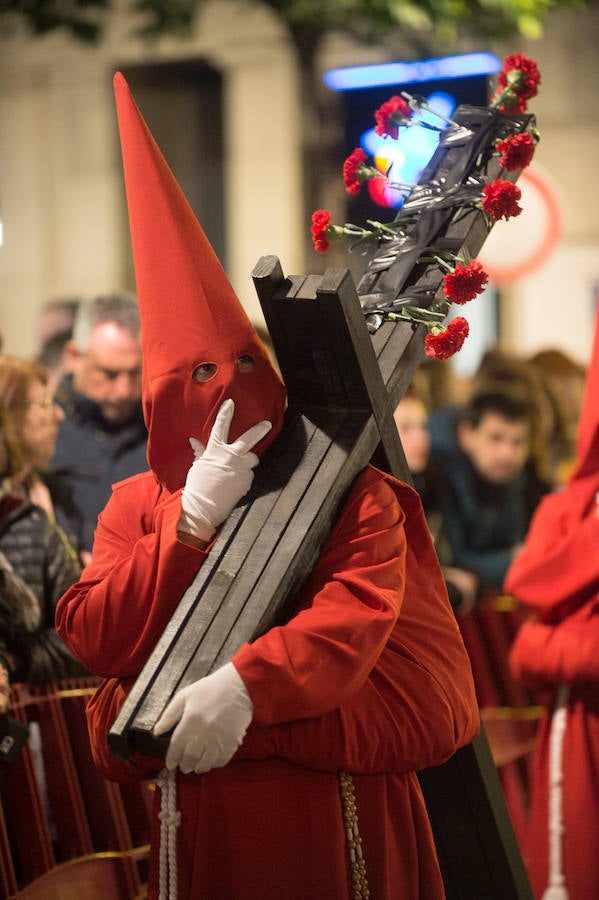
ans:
x=37 y=563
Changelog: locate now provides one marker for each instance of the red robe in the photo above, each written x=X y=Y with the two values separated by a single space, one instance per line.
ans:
x=370 y=676
x=557 y=577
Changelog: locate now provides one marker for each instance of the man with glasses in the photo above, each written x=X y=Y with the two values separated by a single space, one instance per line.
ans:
x=103 y=437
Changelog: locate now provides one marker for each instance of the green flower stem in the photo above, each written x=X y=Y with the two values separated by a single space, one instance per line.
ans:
x=355 y=230
x=464 y=209
x=334 y=232
x=390 y=228
x=400 y=186
x=425 y=315
x=422 y=104
x=428 y=317
x=516 y=79
x=445 y=261
x=509 y=94
x=368 y=173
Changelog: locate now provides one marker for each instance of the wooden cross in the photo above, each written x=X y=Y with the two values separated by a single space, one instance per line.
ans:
x=345 y=369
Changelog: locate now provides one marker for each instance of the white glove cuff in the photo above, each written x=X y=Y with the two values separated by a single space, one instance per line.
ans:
x=230 y=673
x=195 y=525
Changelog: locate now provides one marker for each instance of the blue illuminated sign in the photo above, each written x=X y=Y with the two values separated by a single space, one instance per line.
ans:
x=353 y=78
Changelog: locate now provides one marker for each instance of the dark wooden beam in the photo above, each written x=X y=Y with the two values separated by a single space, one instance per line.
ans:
x=249 y=580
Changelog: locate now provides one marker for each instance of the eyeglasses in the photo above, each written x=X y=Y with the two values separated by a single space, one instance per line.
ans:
x=45 y=402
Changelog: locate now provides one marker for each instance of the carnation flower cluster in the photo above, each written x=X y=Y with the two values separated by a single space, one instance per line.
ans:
x=463 y=278
x=517 y=82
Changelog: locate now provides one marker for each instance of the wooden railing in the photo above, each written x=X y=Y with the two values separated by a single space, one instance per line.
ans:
x=64 y=830
x=508 y=711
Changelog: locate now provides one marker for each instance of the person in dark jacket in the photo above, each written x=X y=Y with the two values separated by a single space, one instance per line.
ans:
x=411 y=418
x=37 y=564
x=20 y=614
x=102 y=439
x=481 y=452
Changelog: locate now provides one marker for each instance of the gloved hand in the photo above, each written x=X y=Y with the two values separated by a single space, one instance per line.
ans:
x=213 y=715
x=219 y=476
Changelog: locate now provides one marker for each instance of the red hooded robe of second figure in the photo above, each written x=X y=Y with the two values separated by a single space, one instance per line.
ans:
x=370 y=676
x=556 y=653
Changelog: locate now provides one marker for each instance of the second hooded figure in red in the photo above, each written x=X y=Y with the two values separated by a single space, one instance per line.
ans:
x=556 y=654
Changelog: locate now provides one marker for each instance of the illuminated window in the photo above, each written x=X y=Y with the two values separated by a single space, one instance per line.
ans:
x=403 y=160
x=446 y=83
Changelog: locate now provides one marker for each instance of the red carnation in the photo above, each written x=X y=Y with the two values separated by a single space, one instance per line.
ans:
x=516 y=151
x=445 y=343
x=517 y=82
x=352 y=177
x=465 y=282
x=500 y=199
x=321 y=219
x=390 y=115
x=521 y=74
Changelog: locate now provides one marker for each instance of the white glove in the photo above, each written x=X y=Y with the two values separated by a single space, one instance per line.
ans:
x=213 y=715
x=219 y=476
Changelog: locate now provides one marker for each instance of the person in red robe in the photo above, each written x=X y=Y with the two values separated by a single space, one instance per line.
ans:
x=291 y=771
x=556 y=653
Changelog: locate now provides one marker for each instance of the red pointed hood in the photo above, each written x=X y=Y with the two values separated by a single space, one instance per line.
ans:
x=587 y=446
x=199 y=346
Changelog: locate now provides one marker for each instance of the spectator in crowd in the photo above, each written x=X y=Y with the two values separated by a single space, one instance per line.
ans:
x=4 y=684
x=52 y=356
x=556 y=655
x=37 y=564
x=20 y=616
x=103 y=437
x=565 y=379
x=55 y=324
x=481 y=452
x=56 y=317
x=438 y=384
x=411 y=418
x=547 y=425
